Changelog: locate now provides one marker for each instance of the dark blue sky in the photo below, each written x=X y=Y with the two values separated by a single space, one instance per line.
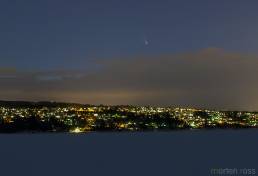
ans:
x=67 y=34
x=143 y=52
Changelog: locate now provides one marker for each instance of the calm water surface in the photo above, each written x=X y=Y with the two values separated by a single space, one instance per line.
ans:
x=177 y=153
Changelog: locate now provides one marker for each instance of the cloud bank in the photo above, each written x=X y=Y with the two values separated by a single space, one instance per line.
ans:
x=209 y=78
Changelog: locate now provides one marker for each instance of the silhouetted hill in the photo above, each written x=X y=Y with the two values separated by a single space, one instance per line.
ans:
x=37 y=104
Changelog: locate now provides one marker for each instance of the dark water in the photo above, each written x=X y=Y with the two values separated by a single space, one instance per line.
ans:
x=154 y=153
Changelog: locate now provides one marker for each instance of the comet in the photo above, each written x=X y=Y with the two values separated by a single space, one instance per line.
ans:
x=146 y=42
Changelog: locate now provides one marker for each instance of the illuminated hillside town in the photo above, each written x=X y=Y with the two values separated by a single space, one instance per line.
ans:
x=75 y=118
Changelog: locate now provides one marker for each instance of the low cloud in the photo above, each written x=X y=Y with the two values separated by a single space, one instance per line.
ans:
x=210 y=78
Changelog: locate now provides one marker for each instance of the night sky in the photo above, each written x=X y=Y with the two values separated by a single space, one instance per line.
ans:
x=143 y=52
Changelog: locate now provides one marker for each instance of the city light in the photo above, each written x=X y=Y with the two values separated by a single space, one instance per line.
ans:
x=81 y=118
x=76 y=130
